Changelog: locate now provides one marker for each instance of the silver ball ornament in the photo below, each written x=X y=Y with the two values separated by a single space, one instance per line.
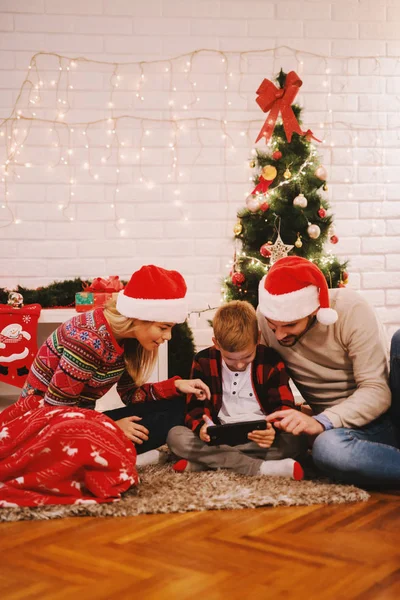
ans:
x=313 y=231
x=253 y=203
x=321 y=173
x=300 y=201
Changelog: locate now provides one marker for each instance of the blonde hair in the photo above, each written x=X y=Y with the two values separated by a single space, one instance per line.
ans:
x=235 y=326
x=139 y=362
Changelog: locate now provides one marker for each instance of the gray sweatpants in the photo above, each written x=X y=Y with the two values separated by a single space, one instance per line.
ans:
x=245 y=459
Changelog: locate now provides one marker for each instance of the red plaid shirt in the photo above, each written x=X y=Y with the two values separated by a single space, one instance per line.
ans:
x=269 y=379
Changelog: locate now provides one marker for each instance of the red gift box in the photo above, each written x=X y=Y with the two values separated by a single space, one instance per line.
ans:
x=101 y=290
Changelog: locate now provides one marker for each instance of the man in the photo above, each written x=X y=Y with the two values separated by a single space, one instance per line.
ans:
x=335 y=351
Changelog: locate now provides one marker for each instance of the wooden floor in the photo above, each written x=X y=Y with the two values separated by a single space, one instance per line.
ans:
x=335 y=552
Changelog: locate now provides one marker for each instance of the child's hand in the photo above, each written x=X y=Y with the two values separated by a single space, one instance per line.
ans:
x=264 y=437
x=203 y=431
x=133 y=431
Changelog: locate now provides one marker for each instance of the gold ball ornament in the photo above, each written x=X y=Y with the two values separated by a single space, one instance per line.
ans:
x=313 y=231
x=253 y=202
x=321 y=173
x=269 y=172
x=298 y=243
x=287 y=174
x=325 y=187
x=300 y=201
x=252 y=164
x=238 y=228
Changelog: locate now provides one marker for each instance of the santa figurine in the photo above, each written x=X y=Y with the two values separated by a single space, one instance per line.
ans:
x=13 y=346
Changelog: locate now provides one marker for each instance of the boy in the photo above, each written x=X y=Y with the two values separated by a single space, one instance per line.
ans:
x=247 y=381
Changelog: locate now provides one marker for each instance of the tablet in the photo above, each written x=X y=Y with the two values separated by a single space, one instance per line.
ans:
x=233 y=434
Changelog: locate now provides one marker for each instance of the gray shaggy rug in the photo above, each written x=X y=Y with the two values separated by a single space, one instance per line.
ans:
x=163 y=491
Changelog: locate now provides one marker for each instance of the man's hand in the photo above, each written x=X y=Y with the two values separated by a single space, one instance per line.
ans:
x=295 y=422
x=264 y=437
x=133 y=431
x=193 y=386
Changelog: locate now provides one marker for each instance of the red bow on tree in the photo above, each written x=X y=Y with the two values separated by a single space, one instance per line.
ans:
x=279 y=100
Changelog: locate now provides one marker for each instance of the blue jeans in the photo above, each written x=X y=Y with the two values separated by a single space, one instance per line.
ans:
x=395 y=377
x=368 y=456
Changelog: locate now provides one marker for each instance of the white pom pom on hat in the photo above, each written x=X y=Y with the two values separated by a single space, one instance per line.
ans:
x=154 y=294
x=294 y=288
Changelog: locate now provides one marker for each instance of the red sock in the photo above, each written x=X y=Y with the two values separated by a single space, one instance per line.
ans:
x=298 y=473
x=180 y=466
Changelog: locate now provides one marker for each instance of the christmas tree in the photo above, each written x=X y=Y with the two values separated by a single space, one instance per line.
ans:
x=287 y=213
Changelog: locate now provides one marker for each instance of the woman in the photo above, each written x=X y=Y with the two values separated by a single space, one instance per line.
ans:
x=53 y=450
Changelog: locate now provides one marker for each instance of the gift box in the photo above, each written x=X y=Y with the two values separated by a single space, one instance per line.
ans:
x=84 y=301
x=97 y=293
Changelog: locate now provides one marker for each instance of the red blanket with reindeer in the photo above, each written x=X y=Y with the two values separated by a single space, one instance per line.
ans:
x=61 y=455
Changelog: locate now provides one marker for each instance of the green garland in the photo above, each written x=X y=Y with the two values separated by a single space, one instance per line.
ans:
x=181 y=348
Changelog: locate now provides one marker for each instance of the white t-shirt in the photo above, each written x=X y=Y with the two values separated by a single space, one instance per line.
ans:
x=239 y=402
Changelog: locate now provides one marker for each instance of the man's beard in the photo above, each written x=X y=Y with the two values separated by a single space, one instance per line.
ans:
x=291 y=340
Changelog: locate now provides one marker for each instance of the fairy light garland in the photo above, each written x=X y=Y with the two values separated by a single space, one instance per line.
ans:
x=68 y=138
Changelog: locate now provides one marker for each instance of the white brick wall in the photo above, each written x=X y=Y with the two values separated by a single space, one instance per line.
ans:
x=348 y=57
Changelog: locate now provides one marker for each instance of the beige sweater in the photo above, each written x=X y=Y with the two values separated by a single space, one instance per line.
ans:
x=341 y=370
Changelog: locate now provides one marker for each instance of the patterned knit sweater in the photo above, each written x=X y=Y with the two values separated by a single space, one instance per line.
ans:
x=80 y=361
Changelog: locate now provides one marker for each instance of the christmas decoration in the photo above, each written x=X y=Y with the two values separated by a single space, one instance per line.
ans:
x=238 y=278
x=334 y=239
x=293 y=227
x=237 y=229
x=97 y=293
x=321 y=173
x=15 y=299
x=265 y=250
x=298 y=243
x=300 y=201
x=279 y=249
x=18 y=346
x=84 y=301
x=253 y=202
x=265 y=180
x=313 y=231
x=252 y=164
x=269 y=172
x=275 y=100
x=62 y=294
x=325 y=187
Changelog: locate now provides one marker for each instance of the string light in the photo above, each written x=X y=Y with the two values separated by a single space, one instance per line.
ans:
x=137 y=76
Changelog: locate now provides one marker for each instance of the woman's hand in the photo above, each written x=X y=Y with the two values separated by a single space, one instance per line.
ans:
x=133 y=431
x=263 y=437
x=193 y=386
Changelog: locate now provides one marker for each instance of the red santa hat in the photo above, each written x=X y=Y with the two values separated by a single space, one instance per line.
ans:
x=154 y=294
x=294 y=288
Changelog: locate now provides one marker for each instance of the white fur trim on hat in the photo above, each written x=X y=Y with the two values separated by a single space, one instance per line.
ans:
x=327 y=316
x=288 y=307
x=159 y=310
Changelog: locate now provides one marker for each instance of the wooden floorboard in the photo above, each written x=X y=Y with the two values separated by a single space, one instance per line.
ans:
x=349 y=551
